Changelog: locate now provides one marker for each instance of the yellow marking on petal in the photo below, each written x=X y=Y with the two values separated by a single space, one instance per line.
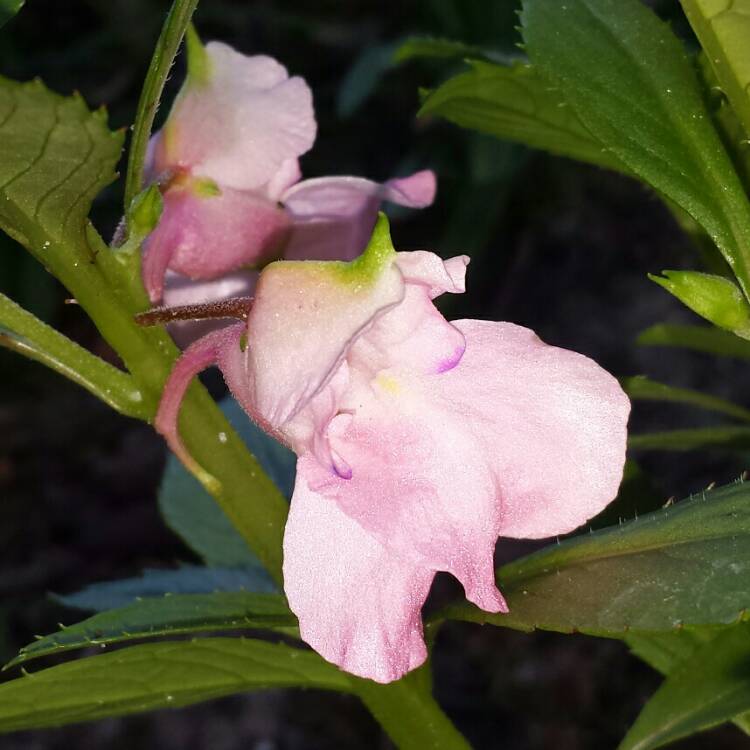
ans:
x=388 y=383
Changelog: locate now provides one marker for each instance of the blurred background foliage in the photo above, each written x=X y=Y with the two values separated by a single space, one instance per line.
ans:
x=557 y=246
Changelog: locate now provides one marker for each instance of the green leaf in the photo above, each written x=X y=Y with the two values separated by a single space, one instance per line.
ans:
x=723 y=30
x=708 y=688
x=158 y=675
x=683 y=565
x=426 y=46
x=55 y=156
x=517 y=104
x=727 y=437
x=698 y=338
x=8 y=9
x=175 y=26
x=187 y=579
x=629 y=80
x=666 y=651
x=641 y=388
x=194 y=515
x=714 y=297
x=168 y=615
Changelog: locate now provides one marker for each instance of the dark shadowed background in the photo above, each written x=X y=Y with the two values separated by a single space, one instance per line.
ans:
x=556 y=246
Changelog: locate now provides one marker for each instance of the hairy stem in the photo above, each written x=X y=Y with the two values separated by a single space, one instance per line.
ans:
x=166 y=48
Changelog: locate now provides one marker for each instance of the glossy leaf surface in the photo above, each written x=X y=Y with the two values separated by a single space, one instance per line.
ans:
x=682 y=565
x=631 y=83
x=723 y=30
x=517 y=104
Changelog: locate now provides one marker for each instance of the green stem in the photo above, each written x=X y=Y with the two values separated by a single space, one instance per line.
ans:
x=28 y=335
x=409 y=714
x=166 y=48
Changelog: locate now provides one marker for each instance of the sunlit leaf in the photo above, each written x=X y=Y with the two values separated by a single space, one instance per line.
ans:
x=683 y=565
x=723 y=30
x=708 y=688
x=517 y=104
x=697 y=338
x=8 y=9
x=158 y=675
x=629 y=80
x=55 y=156
x=168 y=615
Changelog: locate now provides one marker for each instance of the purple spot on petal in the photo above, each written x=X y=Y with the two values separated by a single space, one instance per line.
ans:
x=340 y=466
x=452 y=361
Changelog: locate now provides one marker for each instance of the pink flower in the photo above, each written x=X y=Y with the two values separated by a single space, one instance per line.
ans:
x=419 y=441
x=227 y=162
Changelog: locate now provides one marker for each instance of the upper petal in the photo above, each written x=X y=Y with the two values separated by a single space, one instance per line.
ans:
x=551 y=423
x=304 y=318
x=358 y=603
x=333 y=217
x=241 y=124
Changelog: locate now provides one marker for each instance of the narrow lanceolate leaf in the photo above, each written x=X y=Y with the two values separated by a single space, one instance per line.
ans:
x=709 y=688
x=723 y=30
x=55 y=156
x=158 y=675
x=24 y=333
x=683 y=565
x=434 y=47
x=665 y=652
x=631 y=83
x=516 y=104
x=697 y=338
x=724 y=436
x=8 y=9
x=168 y=615
x=641 y=388
x=187 y=579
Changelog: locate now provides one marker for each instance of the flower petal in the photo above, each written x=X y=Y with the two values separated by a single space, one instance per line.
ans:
x=207 y=236
x=240 y=125
x=359 y=604
x=550 y=422
x=304 y=317
x=334 y=216
x=212 y=349
x=422 y=267
x=419 y=482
